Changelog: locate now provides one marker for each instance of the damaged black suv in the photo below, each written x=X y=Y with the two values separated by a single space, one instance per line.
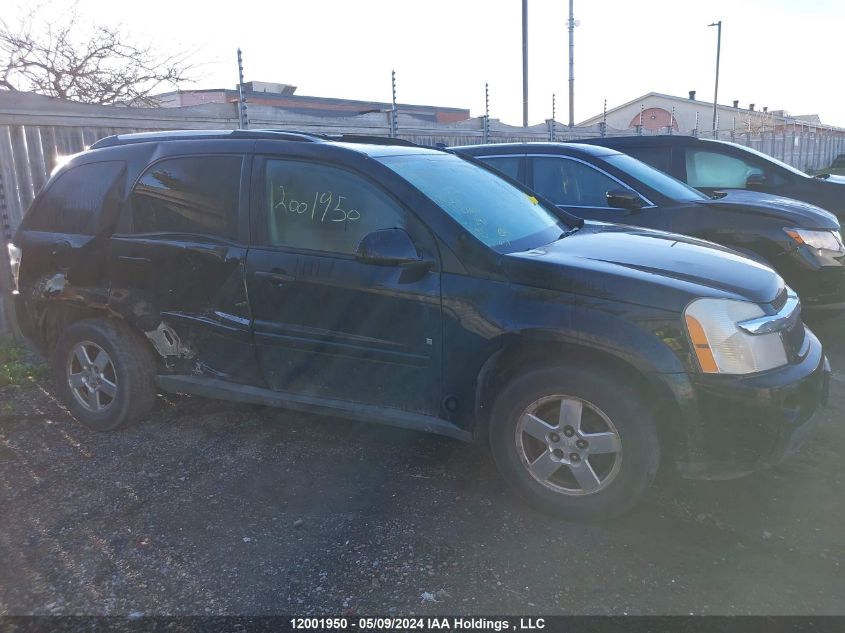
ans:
x=386 y=282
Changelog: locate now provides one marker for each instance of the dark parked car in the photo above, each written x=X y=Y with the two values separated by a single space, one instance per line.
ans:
x=711 y=165
x=397 y=284
x=800 y=241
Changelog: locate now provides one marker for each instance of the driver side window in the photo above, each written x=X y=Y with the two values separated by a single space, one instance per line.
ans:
x=571 y=183
x=711 y=169
x=323 y=208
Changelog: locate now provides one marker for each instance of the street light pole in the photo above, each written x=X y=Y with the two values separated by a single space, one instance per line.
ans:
x=718 y=26
x=571 y=24
x=524 y=63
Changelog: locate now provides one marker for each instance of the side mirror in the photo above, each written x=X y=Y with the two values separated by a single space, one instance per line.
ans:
x=625 y=199
x=755 y=181
x=388 y=247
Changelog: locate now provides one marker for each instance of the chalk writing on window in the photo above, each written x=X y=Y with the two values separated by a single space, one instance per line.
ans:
x=326 y=206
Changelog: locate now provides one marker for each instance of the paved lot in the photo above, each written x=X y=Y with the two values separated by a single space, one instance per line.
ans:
x=209 y=507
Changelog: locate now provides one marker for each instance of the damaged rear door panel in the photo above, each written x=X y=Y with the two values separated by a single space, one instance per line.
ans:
x=176 y=263
x=63 y=234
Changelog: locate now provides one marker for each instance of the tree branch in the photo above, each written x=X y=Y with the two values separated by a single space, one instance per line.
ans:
x=104 y=67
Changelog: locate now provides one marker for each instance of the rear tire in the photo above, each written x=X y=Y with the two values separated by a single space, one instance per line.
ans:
x=574 y=441
x=105 y=373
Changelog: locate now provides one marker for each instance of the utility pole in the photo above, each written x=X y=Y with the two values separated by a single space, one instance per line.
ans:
x=572 y=26
x=524 y=63
x=718 y=26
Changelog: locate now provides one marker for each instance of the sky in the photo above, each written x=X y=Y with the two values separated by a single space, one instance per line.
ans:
x=784 y=54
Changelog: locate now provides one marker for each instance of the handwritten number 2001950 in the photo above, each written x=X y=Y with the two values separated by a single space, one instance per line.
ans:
x=321 y=208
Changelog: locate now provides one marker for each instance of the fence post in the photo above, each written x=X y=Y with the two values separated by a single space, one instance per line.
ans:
x=243 y=119
x=394 y=122
x=7 y=325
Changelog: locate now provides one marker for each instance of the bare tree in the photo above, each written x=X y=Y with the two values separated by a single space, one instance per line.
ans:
x=65 y=59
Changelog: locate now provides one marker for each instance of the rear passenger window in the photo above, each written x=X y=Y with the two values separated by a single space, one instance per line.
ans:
x=194 y=195
x=323 y=208
x=75 y=201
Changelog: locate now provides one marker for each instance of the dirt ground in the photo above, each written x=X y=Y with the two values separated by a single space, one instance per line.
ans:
x=215 y=508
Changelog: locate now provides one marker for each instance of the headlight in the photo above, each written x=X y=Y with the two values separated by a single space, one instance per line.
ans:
x=15 y=265
x=722 y=347
x=822 y=240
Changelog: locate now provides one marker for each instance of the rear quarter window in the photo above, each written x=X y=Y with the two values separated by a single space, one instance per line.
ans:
x=74 y=202
x=508 y=165
x=658 y=157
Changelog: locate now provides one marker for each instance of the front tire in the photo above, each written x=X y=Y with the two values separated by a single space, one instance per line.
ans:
x=576 y=442
x=105 y=373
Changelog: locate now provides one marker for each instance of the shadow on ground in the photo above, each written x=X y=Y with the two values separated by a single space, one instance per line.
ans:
x=211 y=507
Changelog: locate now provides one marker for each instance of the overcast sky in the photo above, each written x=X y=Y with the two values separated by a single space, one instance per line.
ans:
x=784 y=54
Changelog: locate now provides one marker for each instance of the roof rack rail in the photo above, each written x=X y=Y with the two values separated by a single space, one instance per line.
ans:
x=366 y=138
x=191 y=135
x=267 y=134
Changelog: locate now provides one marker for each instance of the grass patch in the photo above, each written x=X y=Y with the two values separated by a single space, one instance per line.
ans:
x=17 y=365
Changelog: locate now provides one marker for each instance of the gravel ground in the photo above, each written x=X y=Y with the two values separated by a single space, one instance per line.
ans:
x=215 y=508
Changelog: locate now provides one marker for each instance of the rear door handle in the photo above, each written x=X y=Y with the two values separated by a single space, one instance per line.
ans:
x=276 y=277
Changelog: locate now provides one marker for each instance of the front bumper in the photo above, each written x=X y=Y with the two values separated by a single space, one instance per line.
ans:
x=750 y=422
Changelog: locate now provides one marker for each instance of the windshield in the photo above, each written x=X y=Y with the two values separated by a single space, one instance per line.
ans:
x=663 y=184
x=502 y=216
x=766 y=157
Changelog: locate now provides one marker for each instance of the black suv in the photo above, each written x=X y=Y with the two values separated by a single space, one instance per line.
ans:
x=712 y=165
x=398 y=284
x=800 y=241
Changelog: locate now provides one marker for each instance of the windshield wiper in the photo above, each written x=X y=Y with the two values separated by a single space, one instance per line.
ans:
x=821 y=176
x=568 y=233
x=718 y=194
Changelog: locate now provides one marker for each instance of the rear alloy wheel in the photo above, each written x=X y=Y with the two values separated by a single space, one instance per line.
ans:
x=91 y=376
x=574 y=441
x=105 y=373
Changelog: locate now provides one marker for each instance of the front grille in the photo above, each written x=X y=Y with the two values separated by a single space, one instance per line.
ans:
x=780 y=300
x=793 y=339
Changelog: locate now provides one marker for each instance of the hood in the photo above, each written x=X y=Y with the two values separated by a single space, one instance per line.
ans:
x=793 y=213
x=653 y=268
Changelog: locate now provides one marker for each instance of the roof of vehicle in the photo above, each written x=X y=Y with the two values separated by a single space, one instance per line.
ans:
x=370 y=145
x=625 y=141
x=573 y=149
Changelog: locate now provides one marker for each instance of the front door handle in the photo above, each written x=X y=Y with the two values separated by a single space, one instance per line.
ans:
x=275 y=276
x=134 y=260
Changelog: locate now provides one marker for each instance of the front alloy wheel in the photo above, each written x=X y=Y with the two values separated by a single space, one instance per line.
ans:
x=569 y=445
x=574 y=440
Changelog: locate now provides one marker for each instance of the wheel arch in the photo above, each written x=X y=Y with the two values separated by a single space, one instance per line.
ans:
x=54 y=317
x=539 y=350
